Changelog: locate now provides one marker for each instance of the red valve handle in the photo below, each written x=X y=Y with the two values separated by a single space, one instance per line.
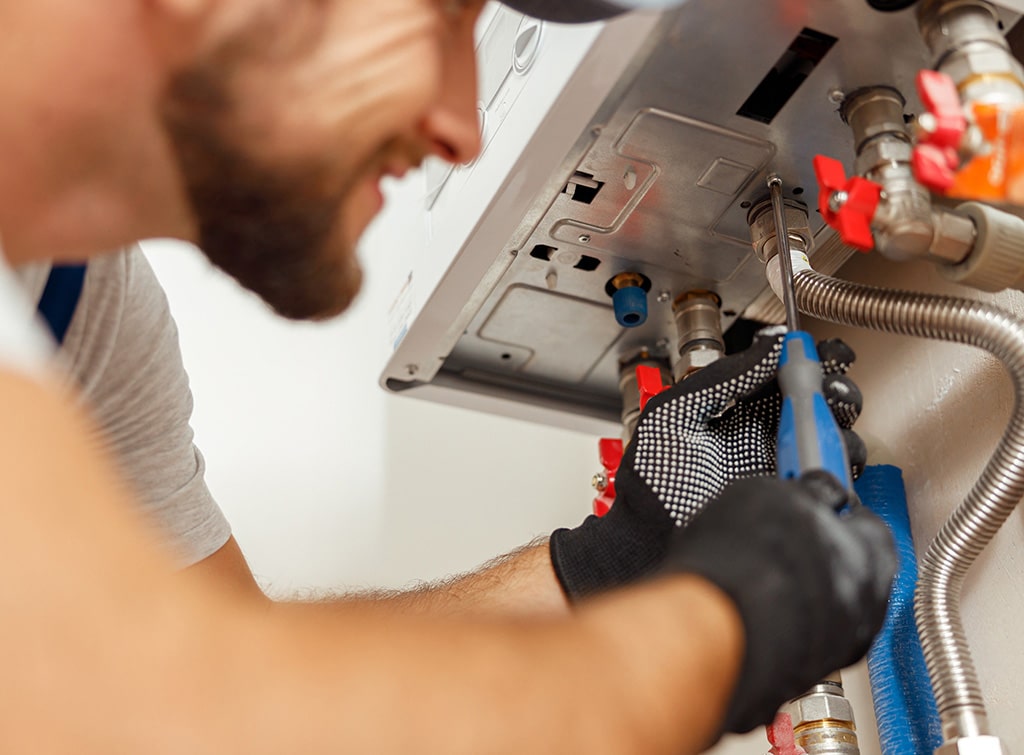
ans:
x=853 y=218
x=609 y=450
x=936 y=159
x=941 y=99
x=935 y=167
x=648 y=380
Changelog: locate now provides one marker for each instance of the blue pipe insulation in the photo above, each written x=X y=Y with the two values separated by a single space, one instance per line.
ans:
x=908 y=720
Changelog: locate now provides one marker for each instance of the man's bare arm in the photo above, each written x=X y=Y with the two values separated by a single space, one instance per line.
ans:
x=647 y=670
x=521 y=582
x=113 y=651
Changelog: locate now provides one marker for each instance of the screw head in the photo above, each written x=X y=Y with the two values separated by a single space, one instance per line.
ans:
x=837 y=200
x=663 y=297
x=836 y=96
x=584 y=238
x=928 y=123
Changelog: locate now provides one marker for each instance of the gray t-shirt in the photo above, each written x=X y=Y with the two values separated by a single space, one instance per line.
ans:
x=121 y=351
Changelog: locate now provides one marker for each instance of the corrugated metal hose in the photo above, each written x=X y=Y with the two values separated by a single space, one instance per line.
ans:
x=990 y=501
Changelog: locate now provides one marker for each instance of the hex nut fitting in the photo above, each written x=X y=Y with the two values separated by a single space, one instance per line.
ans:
x=965 y=39
x=819 y=706
x=696 y=359
x=763 y=234
x=946 y=24
x=699 y=325
x=990 y=75
x=873 y=112
x=882 y=152
x=954 y=236
x=979 y=63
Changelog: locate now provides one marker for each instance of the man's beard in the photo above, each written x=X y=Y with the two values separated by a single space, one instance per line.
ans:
x=276 y=231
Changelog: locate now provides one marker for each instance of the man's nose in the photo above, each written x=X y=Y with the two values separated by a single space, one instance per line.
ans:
x=452 y=125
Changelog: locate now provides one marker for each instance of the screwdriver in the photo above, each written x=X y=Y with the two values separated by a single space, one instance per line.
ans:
x=809 y=437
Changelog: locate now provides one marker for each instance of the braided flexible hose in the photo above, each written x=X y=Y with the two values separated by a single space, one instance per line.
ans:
x=990 y=501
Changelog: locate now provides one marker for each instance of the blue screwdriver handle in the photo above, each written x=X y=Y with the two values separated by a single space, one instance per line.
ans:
x=809 y=437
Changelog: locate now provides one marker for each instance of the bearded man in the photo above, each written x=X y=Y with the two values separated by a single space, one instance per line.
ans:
x=260 y=129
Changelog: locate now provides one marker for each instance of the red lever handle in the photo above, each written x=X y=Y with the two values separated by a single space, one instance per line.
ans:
x=948 y=124
x=609 y=450
x=847 y=205
x=648 y=380
x=936 y=159
x=935 y=167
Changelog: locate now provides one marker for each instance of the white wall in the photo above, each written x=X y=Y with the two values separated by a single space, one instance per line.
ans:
x=331 y=483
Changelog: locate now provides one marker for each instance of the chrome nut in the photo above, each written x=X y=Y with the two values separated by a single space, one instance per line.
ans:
x=882 y=152
x=978 y=745
x=945 y=24
x=965 y=36
x=990 y=75
x=763 y=231
x=873 y=112
x=979 y=62
x=954 y=237
x=696 y=359
x=819 y=706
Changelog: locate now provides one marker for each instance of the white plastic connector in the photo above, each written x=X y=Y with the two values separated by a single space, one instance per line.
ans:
x=773 y=269
x=996 y=260
x=976 y=745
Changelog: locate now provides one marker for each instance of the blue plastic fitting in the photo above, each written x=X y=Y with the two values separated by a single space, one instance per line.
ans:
x=630 y=304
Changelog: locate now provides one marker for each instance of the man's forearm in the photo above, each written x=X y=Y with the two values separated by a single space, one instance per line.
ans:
x=130 y=657
x=520 y=582
x=645 y=670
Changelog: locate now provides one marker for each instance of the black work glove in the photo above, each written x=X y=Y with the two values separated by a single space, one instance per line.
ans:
x=811 y=585
x=717 y=426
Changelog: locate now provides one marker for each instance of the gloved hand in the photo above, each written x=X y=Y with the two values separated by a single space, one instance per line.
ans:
x=811 y=585
x=716 y=426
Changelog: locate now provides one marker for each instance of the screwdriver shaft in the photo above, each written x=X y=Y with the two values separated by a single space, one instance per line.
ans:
x=785 y=260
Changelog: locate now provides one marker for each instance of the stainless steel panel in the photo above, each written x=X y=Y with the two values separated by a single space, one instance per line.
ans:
x=546 y=327
x=678 y=168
